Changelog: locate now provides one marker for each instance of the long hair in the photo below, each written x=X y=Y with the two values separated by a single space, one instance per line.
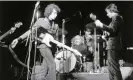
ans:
x=112 y=8
x=48 y=10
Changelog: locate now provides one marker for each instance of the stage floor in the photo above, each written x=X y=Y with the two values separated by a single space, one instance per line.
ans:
x=127 y=74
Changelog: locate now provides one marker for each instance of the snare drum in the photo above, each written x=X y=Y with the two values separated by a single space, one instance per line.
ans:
x=66 y=61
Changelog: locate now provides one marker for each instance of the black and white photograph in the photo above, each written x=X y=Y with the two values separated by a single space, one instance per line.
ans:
x=66 y=40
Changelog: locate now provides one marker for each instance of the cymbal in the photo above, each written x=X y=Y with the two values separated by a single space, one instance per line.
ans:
x=60 y=32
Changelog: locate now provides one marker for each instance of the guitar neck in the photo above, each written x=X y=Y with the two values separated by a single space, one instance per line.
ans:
x=5 y=34
x=94 y=19
x=58 y=43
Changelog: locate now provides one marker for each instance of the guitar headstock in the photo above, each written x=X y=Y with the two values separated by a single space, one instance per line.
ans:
x=18 y=24
x=93 y=16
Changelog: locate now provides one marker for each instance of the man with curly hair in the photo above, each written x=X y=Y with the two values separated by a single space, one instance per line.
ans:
x=48 y=70
x=114 y=42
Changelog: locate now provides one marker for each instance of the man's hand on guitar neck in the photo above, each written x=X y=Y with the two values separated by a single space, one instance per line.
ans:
x=99 y=23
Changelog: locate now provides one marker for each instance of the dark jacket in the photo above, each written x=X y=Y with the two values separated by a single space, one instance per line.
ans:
x=115 y=30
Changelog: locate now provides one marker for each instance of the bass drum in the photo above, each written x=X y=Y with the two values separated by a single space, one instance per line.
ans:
x=66 y=61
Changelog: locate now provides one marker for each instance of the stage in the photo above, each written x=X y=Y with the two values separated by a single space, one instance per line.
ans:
x=127 y=74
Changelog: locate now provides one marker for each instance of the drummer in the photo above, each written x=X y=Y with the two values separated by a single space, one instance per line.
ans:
x=89 y=41
x=78 y=44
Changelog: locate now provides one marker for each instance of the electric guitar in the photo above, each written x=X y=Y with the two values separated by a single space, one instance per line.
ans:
x=47 y=38
x=17 y=25
x=106 y=34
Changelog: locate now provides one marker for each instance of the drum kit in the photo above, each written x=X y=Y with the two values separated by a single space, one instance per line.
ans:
x=67 y=62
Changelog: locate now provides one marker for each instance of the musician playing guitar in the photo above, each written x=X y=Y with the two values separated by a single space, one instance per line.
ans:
x=47 y=29
x=114 y=43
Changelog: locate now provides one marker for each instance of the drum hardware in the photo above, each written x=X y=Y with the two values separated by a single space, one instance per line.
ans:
x=96 y=53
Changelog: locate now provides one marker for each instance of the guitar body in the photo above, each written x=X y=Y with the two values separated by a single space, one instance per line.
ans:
x=43 y=36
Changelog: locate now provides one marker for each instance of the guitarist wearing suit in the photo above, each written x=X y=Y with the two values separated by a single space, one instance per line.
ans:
x=114 y=43
x=44 y=25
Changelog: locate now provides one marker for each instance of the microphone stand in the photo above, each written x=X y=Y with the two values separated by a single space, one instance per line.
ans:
x=30 y=38
x=35 y=47
x=63 y=41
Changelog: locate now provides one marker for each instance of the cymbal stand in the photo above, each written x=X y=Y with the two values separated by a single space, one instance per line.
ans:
x=96 y=53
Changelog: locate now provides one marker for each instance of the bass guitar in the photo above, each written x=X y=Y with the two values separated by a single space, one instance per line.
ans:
x=12 y=30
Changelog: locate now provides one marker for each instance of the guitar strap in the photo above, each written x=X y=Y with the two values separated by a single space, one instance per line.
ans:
x=16 y=58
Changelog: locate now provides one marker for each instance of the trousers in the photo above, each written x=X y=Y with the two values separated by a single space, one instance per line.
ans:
x=113 y=65
x=48 y=62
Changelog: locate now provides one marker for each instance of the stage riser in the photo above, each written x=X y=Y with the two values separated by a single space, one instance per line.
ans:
x=87 y=76
x=83 y=76
x=127 y=74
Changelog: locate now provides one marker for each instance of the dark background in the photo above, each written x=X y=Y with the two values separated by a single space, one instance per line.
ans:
x=14 y=11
